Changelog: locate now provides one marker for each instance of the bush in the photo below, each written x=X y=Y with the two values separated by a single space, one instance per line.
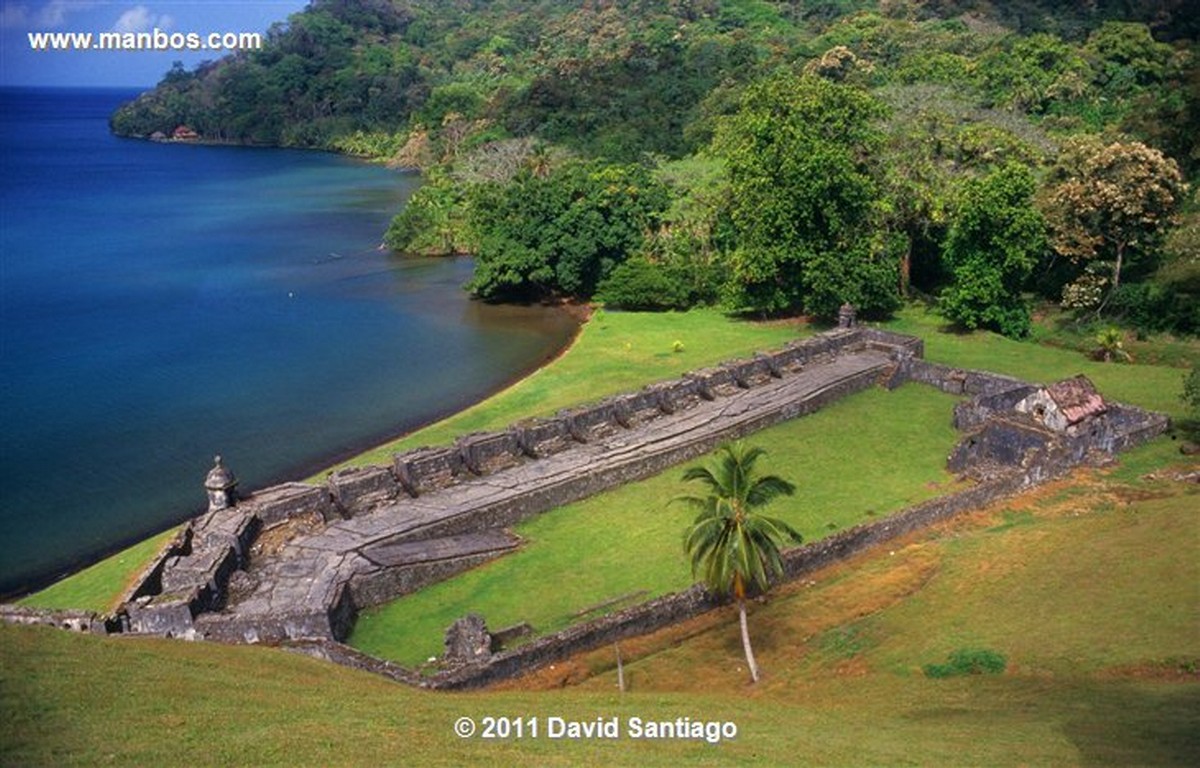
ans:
x=968 y=661
x=639 y=285
x=1110 y=346
x=1191 y=392
x=1156 y=307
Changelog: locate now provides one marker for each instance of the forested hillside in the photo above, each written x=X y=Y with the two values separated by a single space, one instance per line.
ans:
x=771 y=157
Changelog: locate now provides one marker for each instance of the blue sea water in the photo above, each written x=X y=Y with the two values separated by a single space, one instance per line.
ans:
x=160 y=303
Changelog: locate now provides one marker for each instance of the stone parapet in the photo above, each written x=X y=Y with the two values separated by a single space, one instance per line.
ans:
x=370 y=534
x=428 y=469
x=289 y=501
x=358 y=489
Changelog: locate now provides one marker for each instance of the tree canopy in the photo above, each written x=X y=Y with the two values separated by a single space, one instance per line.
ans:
x=803 y=199
x=1112 y=203
x=994 y=243
x=787 y=157
x=564 y=233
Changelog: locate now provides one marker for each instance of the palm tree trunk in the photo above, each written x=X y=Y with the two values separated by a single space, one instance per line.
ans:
x=746 y=641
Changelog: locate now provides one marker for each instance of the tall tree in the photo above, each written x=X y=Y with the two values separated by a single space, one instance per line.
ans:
x=731 y=544
x=562 y=234
x=994 y=242
x=803 y=198
x=1112 y=203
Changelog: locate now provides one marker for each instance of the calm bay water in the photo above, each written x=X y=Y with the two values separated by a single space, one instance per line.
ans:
x=160 y=303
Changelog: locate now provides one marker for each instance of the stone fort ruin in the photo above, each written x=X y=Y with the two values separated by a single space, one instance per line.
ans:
x=293 y=564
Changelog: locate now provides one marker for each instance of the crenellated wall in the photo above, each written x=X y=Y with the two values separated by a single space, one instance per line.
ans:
x=190 y=576
x=408 y=544
x=1044 y=459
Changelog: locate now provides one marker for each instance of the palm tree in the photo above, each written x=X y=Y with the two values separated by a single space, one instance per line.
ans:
x=1111 y=346
x=730 y=544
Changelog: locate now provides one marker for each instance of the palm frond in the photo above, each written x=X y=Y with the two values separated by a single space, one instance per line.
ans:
x=729 y=544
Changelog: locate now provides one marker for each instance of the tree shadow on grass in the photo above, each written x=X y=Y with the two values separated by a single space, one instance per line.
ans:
x=1138 y=723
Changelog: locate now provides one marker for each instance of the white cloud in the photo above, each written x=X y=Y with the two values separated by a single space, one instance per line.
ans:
x=142 y=19
x=14 y=16
x=54 y=13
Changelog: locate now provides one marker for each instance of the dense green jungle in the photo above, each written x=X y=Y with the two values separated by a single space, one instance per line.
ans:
x=1002 y=161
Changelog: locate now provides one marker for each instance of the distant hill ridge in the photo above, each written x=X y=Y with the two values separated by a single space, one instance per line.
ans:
x=611 y=78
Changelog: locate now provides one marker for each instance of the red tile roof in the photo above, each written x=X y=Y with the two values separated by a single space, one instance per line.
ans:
x=1077 y=398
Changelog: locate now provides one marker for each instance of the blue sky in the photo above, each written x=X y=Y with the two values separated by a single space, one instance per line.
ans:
x=20 y=65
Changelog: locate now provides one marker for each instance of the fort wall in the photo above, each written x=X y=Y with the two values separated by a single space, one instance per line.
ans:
x=444 y=500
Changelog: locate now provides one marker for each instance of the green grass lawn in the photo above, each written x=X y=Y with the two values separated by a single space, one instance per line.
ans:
x=1151 y=386
x=1056 y=327
x=98 y=587
x=866 y=456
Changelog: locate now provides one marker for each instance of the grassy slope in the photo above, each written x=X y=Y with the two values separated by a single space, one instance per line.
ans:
x=1090 y=588
x=98 y=587
x=841 y=654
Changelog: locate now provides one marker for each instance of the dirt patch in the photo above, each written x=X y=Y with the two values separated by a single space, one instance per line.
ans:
x=1170 y=671
x=783 y=628
x=273 y=539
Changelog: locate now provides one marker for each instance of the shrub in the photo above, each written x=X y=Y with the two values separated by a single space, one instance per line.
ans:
x=639 y=285
x=968 y=661
x=1191 y=392
x=1156 y=307
x=1111 y=346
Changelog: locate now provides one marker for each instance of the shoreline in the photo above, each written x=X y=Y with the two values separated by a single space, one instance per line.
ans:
x=320 y=469
x=317 y=469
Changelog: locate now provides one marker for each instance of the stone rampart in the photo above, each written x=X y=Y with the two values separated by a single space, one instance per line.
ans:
x=386 y=531
x=955 y=381
x=597 y=477
x=1015 y=453
x=1043 y=463
x=190 y=579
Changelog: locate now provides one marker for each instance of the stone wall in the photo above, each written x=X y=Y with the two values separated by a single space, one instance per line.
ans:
x=675 y=607
x=190 y=576
x=1019 y=455
x=1136 y=426
x=513 y=510
x=86 y=622
x=955 y=381
x=189 y=580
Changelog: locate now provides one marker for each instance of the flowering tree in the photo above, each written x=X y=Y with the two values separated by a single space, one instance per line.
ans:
x=1110 y=204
